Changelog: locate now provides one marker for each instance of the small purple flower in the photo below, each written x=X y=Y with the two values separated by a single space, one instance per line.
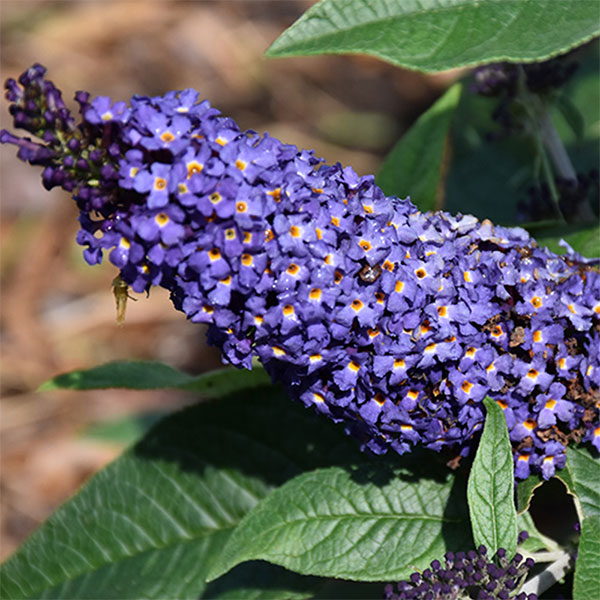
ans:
x=532 y=374
x=552 y=405
x=157 y=183
x=166 y=133
x=101 y=111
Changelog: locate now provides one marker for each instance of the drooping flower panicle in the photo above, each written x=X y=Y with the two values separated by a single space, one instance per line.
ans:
x=394 y=322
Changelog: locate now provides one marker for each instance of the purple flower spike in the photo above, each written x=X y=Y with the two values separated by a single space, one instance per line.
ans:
x=394 y=322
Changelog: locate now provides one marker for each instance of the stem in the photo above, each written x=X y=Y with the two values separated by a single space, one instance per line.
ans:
x=549 y=576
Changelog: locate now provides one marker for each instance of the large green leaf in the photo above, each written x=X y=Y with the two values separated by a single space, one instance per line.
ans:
x=368 y=524
x=435 y=35
x=586 y=585
x=150 y=375
x=491 y=482
x=416 y=163
x=151 y=523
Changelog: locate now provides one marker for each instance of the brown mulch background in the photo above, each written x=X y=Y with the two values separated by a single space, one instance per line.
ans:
x=58 y=314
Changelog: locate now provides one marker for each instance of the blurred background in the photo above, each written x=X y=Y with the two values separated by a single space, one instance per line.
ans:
x=57 y=313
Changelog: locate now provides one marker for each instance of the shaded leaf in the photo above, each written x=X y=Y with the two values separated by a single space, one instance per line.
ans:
x=151 y=523
x=435 y=35
x=373 y=523
x=490 y=489
x=415 y=165
x=587 y=568
x=150 y=375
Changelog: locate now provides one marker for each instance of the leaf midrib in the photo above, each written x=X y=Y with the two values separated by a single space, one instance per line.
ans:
x=364 y=516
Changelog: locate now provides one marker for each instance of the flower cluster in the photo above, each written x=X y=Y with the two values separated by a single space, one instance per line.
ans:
x=394 y=322
x=467 y=575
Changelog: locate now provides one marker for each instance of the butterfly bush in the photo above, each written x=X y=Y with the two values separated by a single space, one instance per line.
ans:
x=394 y=322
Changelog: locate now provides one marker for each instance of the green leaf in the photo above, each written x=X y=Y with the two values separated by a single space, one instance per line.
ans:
x=490 y=488
x=416 y=163
x=372 y=523
x=152 y=522
x=525 y=489
x=581 y=476
x=537 y=541
x=587 y=567
x=149 y=375
x=435 y=35
x=583 y=239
